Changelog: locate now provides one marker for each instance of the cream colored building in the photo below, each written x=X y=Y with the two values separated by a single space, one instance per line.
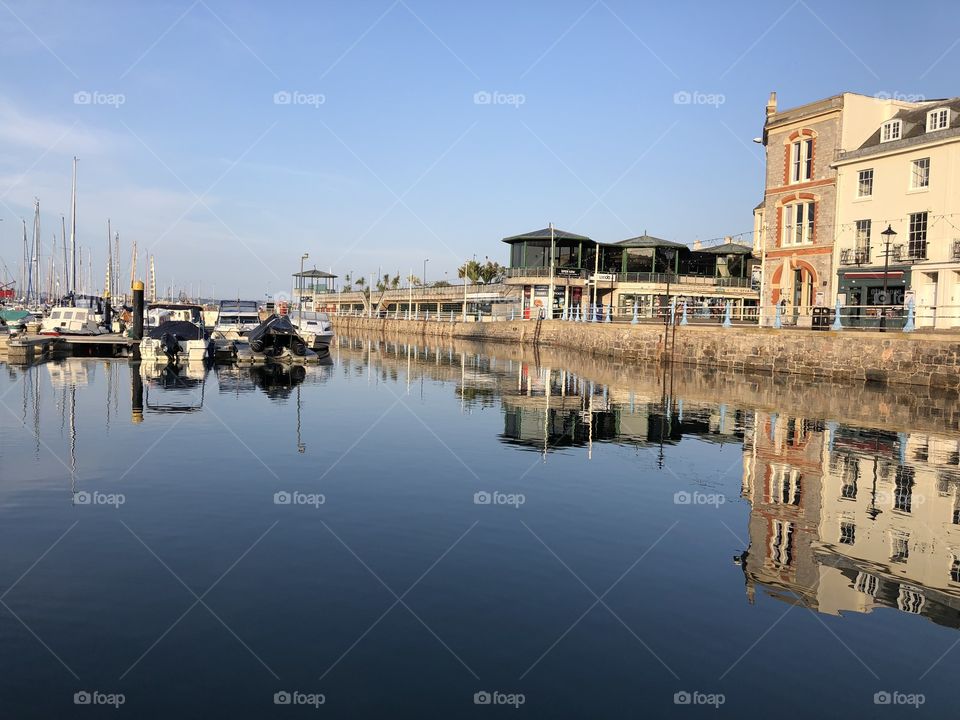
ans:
x=904 y=175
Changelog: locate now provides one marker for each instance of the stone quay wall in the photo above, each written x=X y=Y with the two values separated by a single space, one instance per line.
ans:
x=845 y=356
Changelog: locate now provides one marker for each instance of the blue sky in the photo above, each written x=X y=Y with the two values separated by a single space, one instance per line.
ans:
x=384 y=157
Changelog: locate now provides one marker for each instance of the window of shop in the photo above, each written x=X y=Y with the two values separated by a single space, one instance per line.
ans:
x=865 y=183
x=640 y=260
x=516 y=255
x=537 y=254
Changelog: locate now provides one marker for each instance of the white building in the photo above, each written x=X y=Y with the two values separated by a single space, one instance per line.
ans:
x=905 y=176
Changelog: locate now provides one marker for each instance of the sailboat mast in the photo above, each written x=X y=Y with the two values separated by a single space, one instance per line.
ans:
x=66 y=265
x=73 y=229
x=108 y=282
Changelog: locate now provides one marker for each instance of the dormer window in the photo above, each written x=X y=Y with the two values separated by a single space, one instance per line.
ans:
x=938 y=119
x=891 y=130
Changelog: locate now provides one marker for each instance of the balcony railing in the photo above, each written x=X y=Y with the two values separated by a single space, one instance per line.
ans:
x=855 y=256
x=561 y=274
x=913 y=252
x=956 y=249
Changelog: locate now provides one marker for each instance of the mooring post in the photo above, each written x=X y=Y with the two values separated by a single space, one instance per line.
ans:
x=683 y=313
x=137 y=333
x=836 y=317
x=910 y=325
x=727 y=314
x=777 y=324
x=107 y=312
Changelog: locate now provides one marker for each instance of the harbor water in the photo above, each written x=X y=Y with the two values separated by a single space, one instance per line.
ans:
x=453 y=530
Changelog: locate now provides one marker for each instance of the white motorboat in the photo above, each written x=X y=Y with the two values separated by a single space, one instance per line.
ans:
x=315 y=329
x=72 y=321
x=174 y=332
x=235 y=319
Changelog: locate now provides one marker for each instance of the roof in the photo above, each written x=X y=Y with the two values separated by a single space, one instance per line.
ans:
x=544 y=234
x=646 y=241
x=313 y=274
x=914 y=121
x=729 y=248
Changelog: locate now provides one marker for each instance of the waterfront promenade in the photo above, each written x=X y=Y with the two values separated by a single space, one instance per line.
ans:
x=845 y=357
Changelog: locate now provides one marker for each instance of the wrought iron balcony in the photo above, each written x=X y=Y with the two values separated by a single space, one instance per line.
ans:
x=855 y=256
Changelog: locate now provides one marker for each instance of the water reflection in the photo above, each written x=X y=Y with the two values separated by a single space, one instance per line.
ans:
x=851 y=519
x=853 y=505
x=852 y=491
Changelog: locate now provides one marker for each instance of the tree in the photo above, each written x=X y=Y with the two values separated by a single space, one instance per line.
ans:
x=441 y=283
x=395 y=282
x=414 y=280
x=347 y=283
x=470 y=270
x=492 y=272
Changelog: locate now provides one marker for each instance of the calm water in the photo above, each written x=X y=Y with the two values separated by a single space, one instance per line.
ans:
x=405 y=527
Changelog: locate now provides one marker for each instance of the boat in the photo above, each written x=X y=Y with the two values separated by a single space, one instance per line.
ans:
x=276 y=337
x=314 y=328
x=235 y=319
x=84 y=316
x=175 y=333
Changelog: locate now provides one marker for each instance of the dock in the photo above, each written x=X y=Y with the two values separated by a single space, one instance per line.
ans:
x=25 y=348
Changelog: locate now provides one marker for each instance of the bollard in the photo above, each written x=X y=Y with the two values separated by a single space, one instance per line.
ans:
x=727 y=315
x=610 y=312
x=836 y=318
x=683 y=314
x=777 y=324
x=635 y=320
x=910 y=325
x=137 y=333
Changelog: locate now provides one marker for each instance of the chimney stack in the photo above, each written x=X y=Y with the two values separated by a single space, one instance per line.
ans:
x=772 y=104
x=697 y=244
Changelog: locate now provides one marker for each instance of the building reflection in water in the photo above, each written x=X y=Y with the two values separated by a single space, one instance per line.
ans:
x=847 y=519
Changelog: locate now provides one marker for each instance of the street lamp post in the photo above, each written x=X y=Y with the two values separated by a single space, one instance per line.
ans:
x=300 y=293
x=668 y=254
x=888 y=235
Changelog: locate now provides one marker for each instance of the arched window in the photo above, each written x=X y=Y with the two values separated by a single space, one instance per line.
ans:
x=798 y=220
x=799 y=155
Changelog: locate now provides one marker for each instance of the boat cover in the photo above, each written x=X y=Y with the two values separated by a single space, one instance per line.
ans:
x=181 y=329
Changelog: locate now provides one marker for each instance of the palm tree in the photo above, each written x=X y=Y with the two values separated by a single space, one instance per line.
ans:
x=470 y=270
